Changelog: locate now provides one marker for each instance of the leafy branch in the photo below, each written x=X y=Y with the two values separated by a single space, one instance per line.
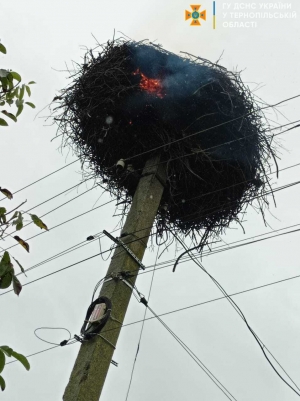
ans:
x=12 y=92
x=6 y=351
x=7 y=273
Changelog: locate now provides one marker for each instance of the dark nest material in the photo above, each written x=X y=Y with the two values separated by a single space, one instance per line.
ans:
x=135 y=100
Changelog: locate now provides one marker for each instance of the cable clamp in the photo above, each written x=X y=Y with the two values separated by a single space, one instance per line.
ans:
x=79 y=339
x=120 y=275
x=108 y=279
x=129 y=251
x=127 y=283
x=144 y=301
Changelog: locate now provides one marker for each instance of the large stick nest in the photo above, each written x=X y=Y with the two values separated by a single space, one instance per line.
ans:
x=134 y=100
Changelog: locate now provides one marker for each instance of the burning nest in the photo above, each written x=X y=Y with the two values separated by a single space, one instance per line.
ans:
x=134 y=100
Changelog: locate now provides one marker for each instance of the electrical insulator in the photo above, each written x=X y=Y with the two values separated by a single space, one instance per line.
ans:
x=120 y=165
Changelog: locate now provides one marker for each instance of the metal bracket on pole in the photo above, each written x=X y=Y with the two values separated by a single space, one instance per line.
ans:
x=121 y=243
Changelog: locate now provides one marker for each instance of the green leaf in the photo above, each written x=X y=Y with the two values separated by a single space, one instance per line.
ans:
x=10 y=95
x=5 y=258
x=2 y=48
x=5 y=281
x=17 y=286
x=19 y=102
x=10 y=85
x=21 y=358
x=3 y=122
x=2 y=383
x=4 y=82
x=7 y=350
x=31 y=82
x=2 y=103
x=23 y=243
x=19 y=225
x=5 y=264
x=20 y=266
x=38 y=222
x=5 y=268
x=16 y=76
x=30 y=104
x=18 y=222
x=10 y=115
x=22 y=91
x=28 y=90
x=2 y=215
x=3 y=73
x=2 y=360
x=20 y=109
x=9 y=77
x=6 y=192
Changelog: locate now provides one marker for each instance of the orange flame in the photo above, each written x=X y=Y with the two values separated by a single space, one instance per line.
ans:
x=151 y=85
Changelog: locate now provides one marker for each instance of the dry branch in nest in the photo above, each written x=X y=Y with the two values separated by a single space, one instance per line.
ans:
x=133 y=100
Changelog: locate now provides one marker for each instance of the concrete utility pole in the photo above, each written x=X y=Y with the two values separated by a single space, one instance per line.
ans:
x=93 y=361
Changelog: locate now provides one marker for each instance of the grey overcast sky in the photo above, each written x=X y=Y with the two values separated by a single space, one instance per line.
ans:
x=42 y=38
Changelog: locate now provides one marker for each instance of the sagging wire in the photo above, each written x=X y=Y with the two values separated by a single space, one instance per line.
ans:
x=141 y=298
x=52 y=328
x=142 y=328
x=64 y=222
x=40 y=179
x=111 y=249
x=240 y=313
x=96 y=318
x=181 y=309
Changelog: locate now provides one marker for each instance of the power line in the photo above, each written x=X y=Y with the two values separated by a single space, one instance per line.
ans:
x=161 y=265
x=40 y=179
x=267 y=192
x=142 y=329
x=57 y=271
x=36 y=353
x=221 y=248
x=241 y=314
x=195 y=358
x=273 y=190
x=184 y=346
x=213 y=147
x=181 y=309
x=53 y=210
x=157 y=268
x=64 y=222
x=215 y=126
x=188 y=307
x=253 y=333
x=61 y=193
x=220 y=298
x=289 y=167
x=74 y=264
x=62 y=253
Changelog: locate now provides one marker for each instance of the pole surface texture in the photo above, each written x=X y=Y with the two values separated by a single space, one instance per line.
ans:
x=94 y=357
